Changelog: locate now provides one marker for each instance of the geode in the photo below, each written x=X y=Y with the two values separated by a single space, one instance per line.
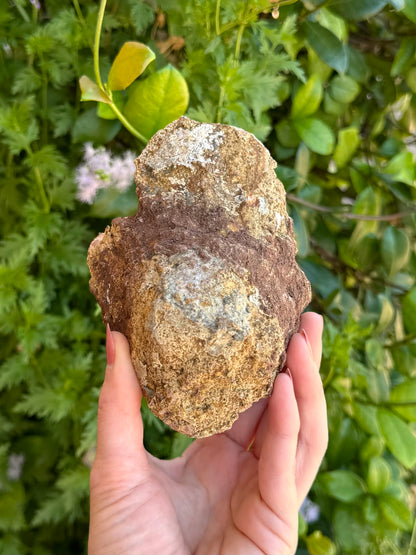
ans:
x=203 y=279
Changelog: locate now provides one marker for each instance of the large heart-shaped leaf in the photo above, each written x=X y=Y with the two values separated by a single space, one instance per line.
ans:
x=156 y=101
x=129 y=63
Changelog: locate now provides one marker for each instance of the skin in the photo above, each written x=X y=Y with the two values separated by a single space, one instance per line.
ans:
x=233 y=493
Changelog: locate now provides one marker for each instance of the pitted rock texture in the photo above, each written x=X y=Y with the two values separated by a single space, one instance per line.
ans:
x=203 y=279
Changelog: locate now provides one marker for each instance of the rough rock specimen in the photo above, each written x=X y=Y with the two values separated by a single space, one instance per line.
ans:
x=203 y=279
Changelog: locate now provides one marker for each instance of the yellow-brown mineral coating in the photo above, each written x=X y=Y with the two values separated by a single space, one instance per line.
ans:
x=203 y=280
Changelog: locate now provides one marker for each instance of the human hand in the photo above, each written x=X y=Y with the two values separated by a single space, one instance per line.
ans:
x=234 y=493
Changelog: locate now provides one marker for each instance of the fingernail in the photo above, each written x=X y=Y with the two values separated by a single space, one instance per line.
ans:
x=306 y=338
x=110 y=347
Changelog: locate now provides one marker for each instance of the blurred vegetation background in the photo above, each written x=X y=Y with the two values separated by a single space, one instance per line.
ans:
x=329 y=86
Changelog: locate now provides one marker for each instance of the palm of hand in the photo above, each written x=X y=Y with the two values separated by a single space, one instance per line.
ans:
x=220 y=496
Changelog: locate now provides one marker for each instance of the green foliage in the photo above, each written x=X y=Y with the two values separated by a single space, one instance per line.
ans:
x=329 y=87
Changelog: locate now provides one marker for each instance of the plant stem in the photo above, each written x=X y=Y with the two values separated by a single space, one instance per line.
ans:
x=238 y=41
x=127 y=124
x=112 y=105
x=22 y=12
x=240 y=33
x=217 y=18
x=38 y=178
x=220 y=103
x=244 y=21
x=41 y=189
x=82 y=21
x=98 y=27
x=337 y=211
x=412 y=543
x=401 y=343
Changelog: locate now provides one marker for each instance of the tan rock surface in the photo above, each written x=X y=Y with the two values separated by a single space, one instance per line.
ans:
x=203 y=279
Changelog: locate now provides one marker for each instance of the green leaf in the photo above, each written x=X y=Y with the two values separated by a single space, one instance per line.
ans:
x=404 y=57
x=142 y=15
x=302 y=526
x=358 y=67
x=12 y=508
x=398 y=436
x=404 y=360
x=18 y=125
x=378 y=475
x=47 y=403
x=67 y=502
x=343 y=485
x=105 y=111
x=315 y=134
x=301 y=232
x=351 y=531
x=409 y=311
x=318 y=544
x=344 y=89
x=307 y=98
x=336 y=24
x=179 y=444
x=157 y=101
x=348 y=141
x=409 y=10
x=374 y=446
x=405 y=393
x=395 y=249
x=328 y=47
x=396 y=512
x=302 y=164
x=386 y=315
x=377 y=385
x=332 y=107
x=411 y=79
x=367 y=203
x=91 y=91
x=321 y=278
x=89 y=127
x=371 y=511
x=129 y=63
x=402 y=168
x=366 y=417
x=356 y=10
x=286 y=135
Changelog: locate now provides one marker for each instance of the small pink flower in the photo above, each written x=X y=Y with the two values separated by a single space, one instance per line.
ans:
x=100 y=170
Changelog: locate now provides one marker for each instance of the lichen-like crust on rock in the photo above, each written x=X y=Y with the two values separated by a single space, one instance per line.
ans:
x=203 y=279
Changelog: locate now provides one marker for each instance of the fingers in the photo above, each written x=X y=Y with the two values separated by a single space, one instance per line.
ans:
x=119 y=423
x=302 y=356
x=251 y=422
x=303 y=359
x=277 y=468
x=313 y=323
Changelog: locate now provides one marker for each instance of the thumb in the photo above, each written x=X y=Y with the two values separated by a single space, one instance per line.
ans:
x=119 y=422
